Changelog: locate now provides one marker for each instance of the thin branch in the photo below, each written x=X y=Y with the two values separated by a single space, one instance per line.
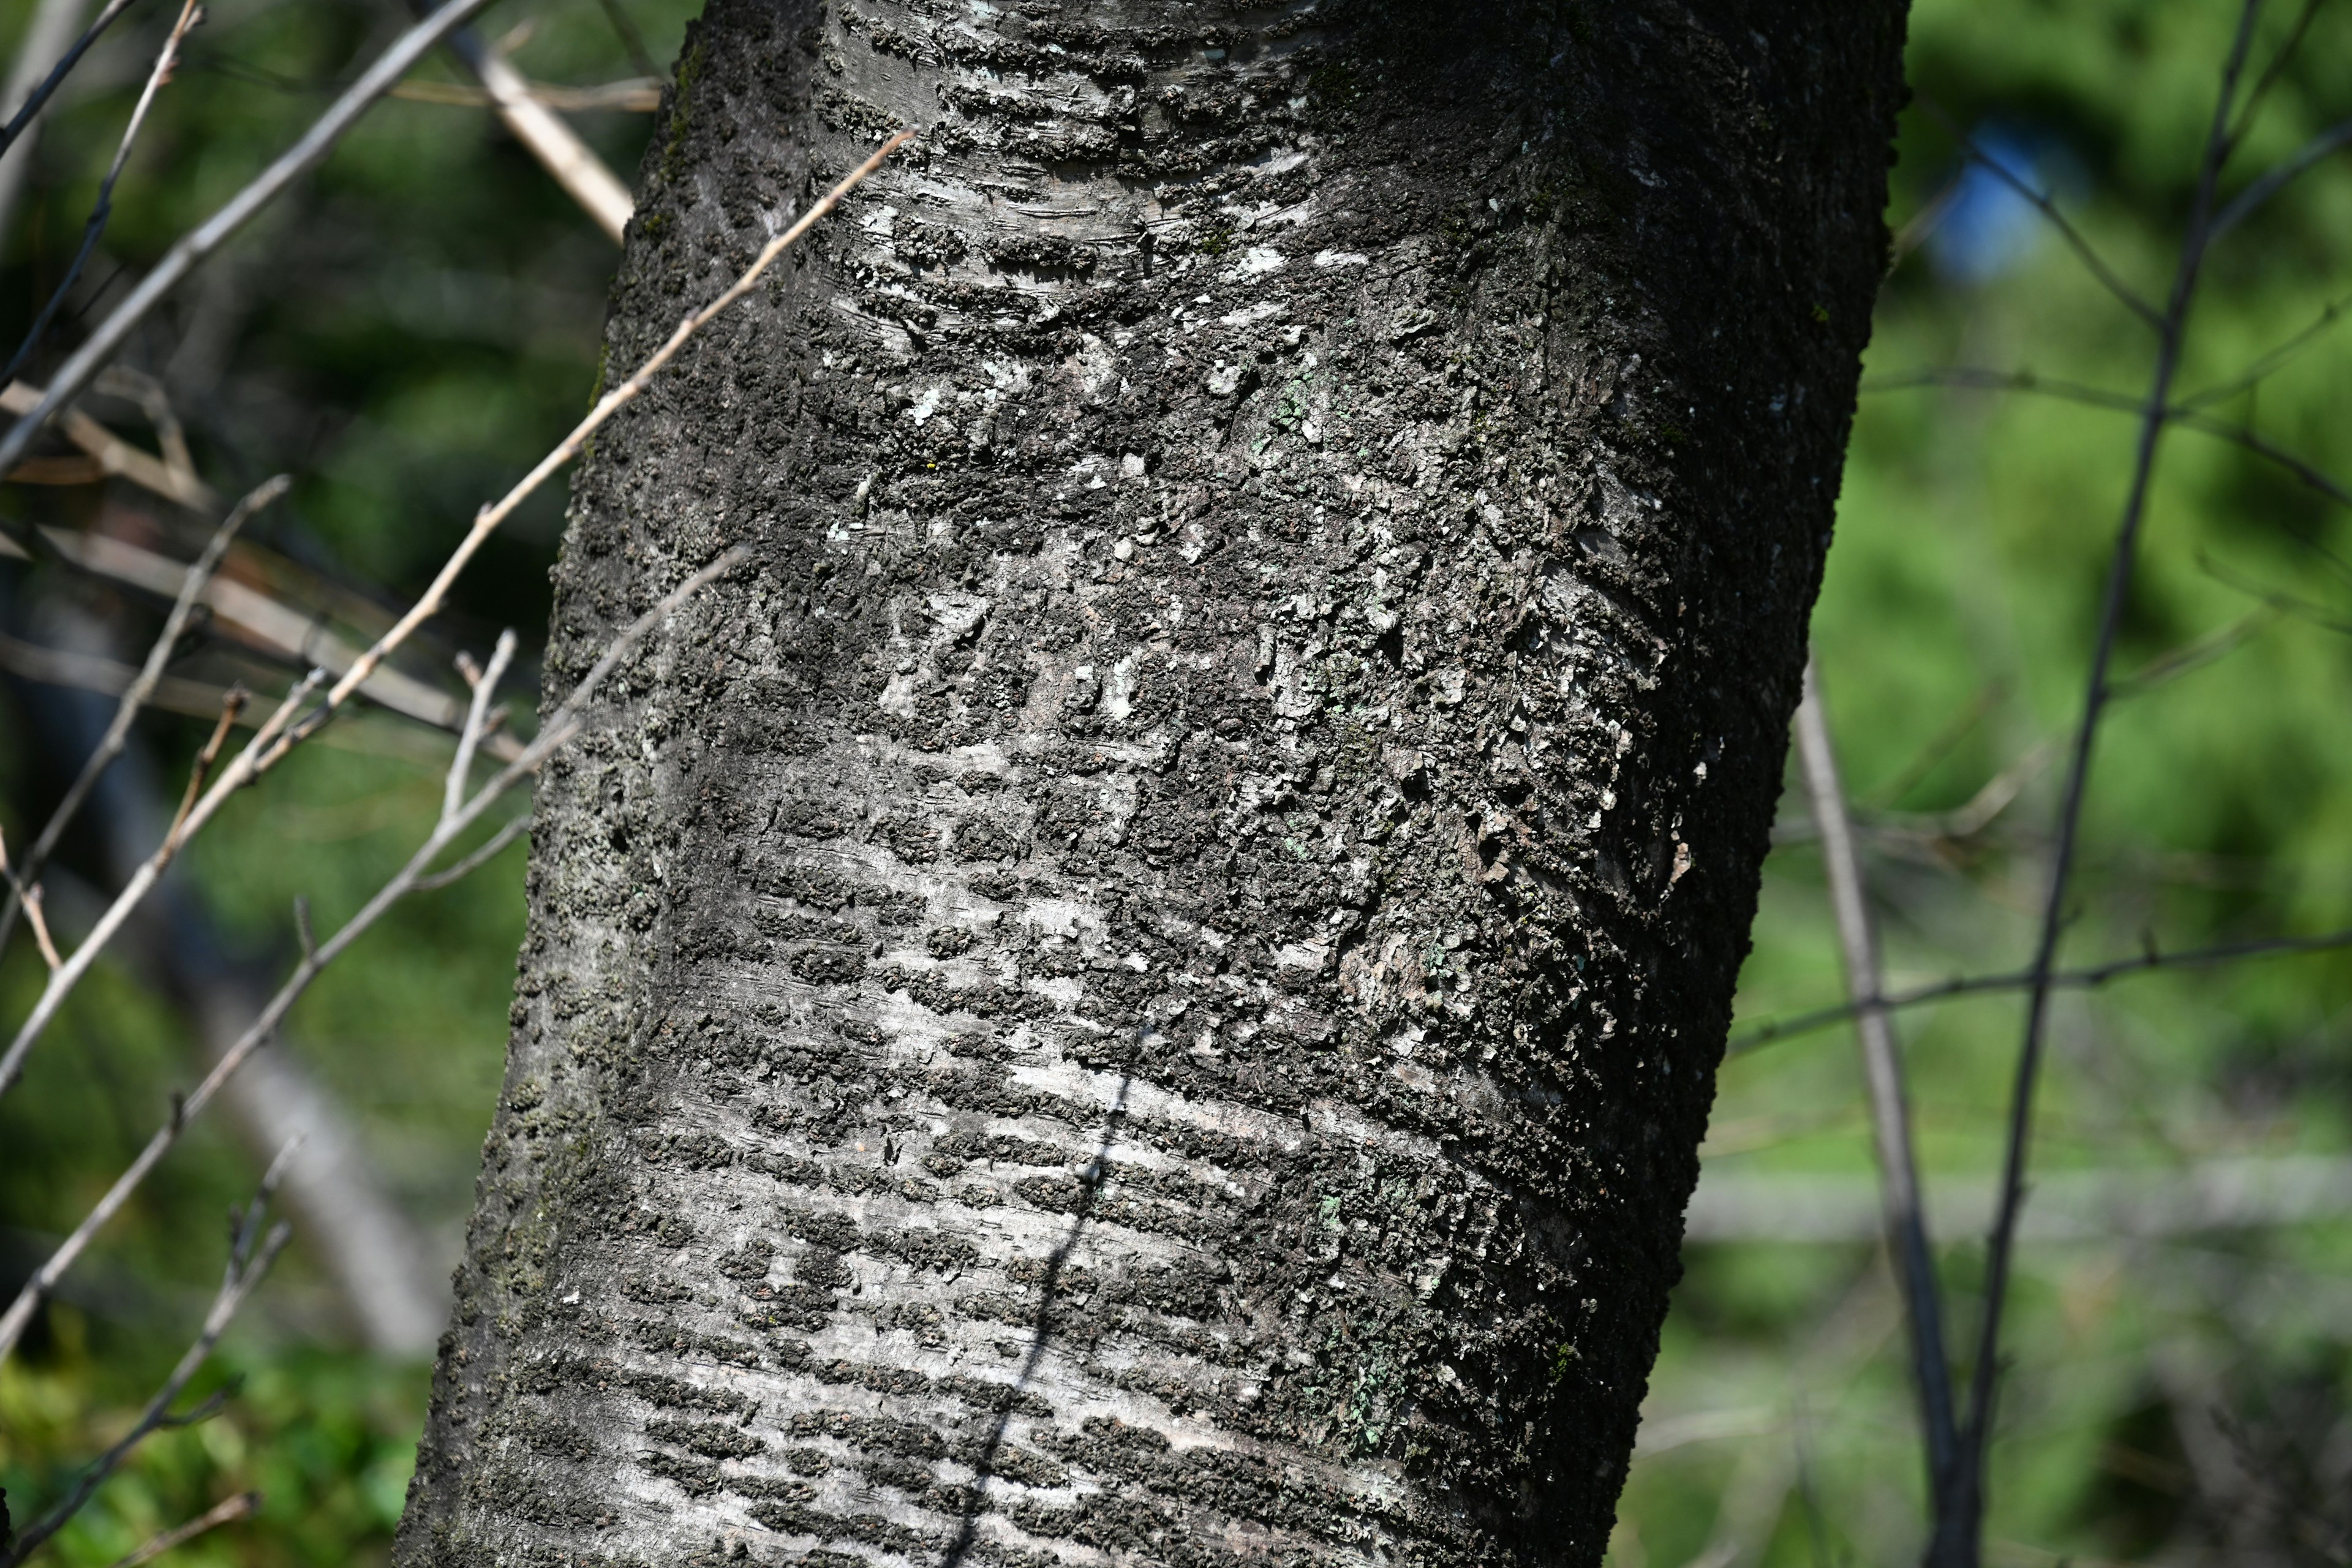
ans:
x=2273 y=600
x=631 y=38
x=215 y=231
x=611 y=402
x=232 y=705
x=251 y=1252
x=1964 y=1551
x=112 y=454
x=273 y=741
x=1898 y=1167
x=2098 y=397
x=2086 y=979
x=33 y=104
x=242 y=1506
x=2241 y=435
x=291 y=632
x=452 y=792
x=2331 y=140
x=139 y=388
x=2267 y=362
x=514 y=828
x=1980 y=379
x=240 y=773
x=2041 y=204
x=118 y=729
x=190 y=13
x=561 y=726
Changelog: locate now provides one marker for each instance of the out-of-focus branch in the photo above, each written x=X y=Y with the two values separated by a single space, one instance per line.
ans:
x=103 y=208
x=1890 y=1113
x=632 y=95
x=2070 y=1207
x=561 y=726
x=277 y=626
x=113 y=455
x=251 y=1252
x=2187 y=415
x=136 y=696
x=556 y=145
x=241 y=1506
x=43 y=62
x=2332 y=139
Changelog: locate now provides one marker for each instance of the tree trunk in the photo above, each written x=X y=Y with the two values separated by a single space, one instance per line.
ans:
x=1144 y=985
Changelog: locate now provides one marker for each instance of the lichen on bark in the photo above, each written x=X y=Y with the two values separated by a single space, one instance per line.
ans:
x=1144 y=985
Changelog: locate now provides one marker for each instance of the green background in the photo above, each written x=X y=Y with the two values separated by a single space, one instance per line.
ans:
x=420 y=322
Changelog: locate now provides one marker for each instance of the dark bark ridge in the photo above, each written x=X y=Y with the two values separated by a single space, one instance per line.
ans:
x=1143 y=985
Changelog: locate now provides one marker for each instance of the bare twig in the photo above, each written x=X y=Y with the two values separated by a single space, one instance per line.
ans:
x=1898 y=1168
x=613 y=402
x=1963 y=1548
x=251 y=1252
x=118 y=729
x=274 y=739
x=2187 y=418
x=232 y=705
x=247 y=767
x=2086 y=979
x=210 y=236
x=41 y=938
x=103 y=208
x=112 y=455
x=2041 y=204
x=138 y=387
x=2271 y=73
x=241 y=1506
x=2331 y=140
x=452 y=792
x=291 y=631
x=559 y=729
x=513 y=829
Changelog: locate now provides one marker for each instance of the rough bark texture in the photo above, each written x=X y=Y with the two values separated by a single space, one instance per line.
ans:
x=1143 y=986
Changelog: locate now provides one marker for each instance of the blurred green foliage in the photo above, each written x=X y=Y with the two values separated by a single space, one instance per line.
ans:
x=420 y=322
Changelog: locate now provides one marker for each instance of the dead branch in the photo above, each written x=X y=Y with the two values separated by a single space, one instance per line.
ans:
x=241 y=1506
x=561 y=726
x=582 y=173
x=1890 y=1113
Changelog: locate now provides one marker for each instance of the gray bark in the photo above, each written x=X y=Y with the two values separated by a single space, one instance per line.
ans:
x=1144 y=987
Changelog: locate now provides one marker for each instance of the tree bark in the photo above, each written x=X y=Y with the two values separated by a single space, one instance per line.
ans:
x=1143 y=986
